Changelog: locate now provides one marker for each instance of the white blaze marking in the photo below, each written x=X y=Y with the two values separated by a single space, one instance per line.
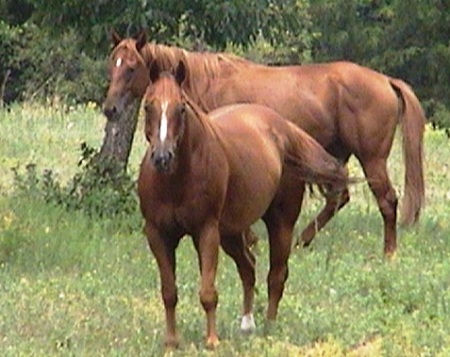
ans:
x=163 y=124
x=119 y=62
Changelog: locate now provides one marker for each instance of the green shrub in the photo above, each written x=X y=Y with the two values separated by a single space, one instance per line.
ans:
x=100 y=188
x=9 y=36
x=44 y=67
x=439 y=115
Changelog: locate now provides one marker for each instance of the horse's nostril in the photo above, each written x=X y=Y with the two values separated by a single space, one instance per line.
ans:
x=110 y=112
x=162 y=160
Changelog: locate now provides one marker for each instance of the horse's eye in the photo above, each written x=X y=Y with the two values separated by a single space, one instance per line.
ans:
x=148 y=107
x=129 y=73
x=182 y=109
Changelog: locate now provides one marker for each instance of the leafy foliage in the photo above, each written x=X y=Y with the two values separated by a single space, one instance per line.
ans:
x=215 y=23
x=43 y=67
x=9 y=36
x=403 y=39
x=98 y=189
x=52 y=47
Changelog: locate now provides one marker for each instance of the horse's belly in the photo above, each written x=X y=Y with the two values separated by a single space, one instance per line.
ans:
x=251 y=189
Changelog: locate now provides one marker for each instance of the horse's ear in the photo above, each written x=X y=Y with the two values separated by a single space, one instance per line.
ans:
x=180 y=72
x=115 y=37
x=141 y=39
x=155 y=71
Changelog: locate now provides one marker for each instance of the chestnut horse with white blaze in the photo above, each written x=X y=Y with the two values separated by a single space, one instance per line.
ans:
x=347 y=108
x=211 y=177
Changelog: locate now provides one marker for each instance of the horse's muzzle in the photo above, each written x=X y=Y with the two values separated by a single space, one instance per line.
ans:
x=162 y=160
x=111 y=112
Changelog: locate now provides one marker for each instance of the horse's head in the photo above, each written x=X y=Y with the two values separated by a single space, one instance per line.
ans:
x=128 y=74
x=165 y=116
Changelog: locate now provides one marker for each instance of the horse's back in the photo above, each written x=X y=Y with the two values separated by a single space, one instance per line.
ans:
x=339 y=97
x=242 y=117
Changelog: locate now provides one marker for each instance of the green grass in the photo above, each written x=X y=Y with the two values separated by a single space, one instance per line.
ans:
x=74 y=285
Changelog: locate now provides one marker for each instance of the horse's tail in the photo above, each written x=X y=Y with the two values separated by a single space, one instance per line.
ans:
x=313 y=164
x=413 y=120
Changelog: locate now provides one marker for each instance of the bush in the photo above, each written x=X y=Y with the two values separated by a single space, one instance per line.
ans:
x=45 y=67
x=9 y=36
x=98 y=189
x=438 y=115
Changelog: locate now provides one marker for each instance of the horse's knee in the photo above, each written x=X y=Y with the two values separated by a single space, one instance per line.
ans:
x=277 y=278
x=208 y=298
x=170 y=297
x=388 y=204
x=337 y=198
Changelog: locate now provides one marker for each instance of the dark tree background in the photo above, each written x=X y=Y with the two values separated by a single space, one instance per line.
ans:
x=59 y=48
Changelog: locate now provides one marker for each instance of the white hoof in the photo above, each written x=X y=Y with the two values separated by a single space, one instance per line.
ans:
x=248 y=323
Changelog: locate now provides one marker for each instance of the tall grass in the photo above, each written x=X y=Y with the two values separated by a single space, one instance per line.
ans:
x=75 y=285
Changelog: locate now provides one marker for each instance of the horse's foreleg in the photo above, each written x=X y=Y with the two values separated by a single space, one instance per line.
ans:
x=334 y=202
x=164 y=252
x=381 y=186
x=237 y=248
x=207 y=245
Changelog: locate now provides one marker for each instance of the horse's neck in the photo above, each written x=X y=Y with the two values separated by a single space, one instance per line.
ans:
x=196 y=143
x=199 y=126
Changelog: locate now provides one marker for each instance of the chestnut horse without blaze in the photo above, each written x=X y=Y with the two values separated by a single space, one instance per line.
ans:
x=347 y=108
x=211 y=177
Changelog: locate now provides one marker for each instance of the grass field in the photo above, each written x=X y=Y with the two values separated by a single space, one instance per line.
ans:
x=75 y=285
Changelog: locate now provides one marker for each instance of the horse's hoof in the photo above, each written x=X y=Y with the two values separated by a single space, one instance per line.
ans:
x=301 y=243
x=248 y=324
x=269 y=327
x=212 y=342
x=171 y=344
x=391 y=256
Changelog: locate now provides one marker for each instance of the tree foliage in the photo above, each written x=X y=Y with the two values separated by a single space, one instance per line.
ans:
x=215 y=23
x=405 y=39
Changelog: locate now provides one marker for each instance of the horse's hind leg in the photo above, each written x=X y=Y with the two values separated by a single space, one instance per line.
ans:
x=334 y=202
x=251 y=238
x=280 y=240
x=280 y=220
x=237 y=248
x=376 y=173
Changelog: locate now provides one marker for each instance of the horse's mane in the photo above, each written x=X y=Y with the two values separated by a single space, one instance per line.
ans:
x=198 y=112
x=200 y=66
